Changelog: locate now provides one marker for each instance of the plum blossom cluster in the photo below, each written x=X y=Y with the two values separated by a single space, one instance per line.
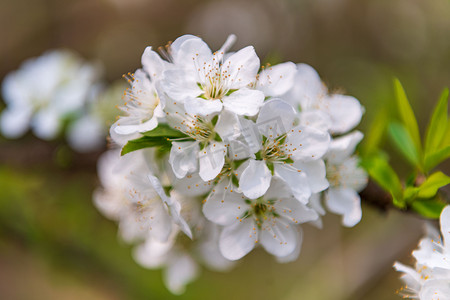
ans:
x=430 y=279
x=220 y=155
x=54 y=94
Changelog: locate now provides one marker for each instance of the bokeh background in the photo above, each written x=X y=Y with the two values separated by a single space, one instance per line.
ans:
x=55 y=245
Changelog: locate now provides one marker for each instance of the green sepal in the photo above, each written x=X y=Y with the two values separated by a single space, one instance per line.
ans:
x=234 y=180
x=258 y=155
x=230 y=92
x=214 y=120
x=289 y=161
x=238 y=163
x=271 y=167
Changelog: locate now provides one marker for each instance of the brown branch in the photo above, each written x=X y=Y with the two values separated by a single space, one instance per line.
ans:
x=376 y=197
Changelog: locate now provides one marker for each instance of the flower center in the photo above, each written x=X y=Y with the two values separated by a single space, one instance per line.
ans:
x=333 y=175
x=275 y=149
x=262 y=210
x=199 y=129
x=216 y=79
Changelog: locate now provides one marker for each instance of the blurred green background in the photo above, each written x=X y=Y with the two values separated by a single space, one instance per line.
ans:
x=55 y=245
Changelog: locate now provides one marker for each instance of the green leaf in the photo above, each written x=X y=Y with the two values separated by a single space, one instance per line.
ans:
x=410 y=193
x=381 y=172
x=446 y=139
x=438 y=124
x=407 y=114
x=164 y=130
x=146 y=142
x=404 y=143
x=431 y=185
x=430 y=208
x=433 y=159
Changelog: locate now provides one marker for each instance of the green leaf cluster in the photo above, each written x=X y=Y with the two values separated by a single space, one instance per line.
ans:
x=160 y=137
x=420 y=191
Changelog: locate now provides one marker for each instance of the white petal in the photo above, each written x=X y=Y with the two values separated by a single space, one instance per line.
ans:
x=276 y=80
x=199 y=106
x=153 y=64
x=279 y=237
x=294 y=255
x=307 y=143
x=131 y=129
x=445 y=226
x=182 y=270
x=209 y=250
x=242 y=67
x=316 y=174
x=121 y=139
x=175 y=46
x=160 y=224
x=191 y=54
x=224 y=206
x=316 y=203
x=308 y=89
x=227 y=125
x=436 y=289
x=343 y=147
x=345 y=202
x=87 y=134
x=152 y=254
x=180 y=85
x=211 y=160
x=238 y=239
x=14 y=122
x=430 y=255
x=350 y=174
x=238 y=150
x=315 y=118
x=345 y=111
x=278 y=189
x=192 y=185
x=275 y=118
x=251 y=134
x=173 y=205
x=183 y=158
x=244 y=102
x=410 y=276
x=297 y=181
x=255 y=180
x=294 y=211
x=46 y=124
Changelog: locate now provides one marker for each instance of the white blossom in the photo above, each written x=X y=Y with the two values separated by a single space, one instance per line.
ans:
x=290 y=152
x=270 y=220
x=340 y=113
x=142 y=109
x=132 y=196
x=430 y=279
x=240 y=165
x=44 y=92
x=346 y=179
x=207 y=82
